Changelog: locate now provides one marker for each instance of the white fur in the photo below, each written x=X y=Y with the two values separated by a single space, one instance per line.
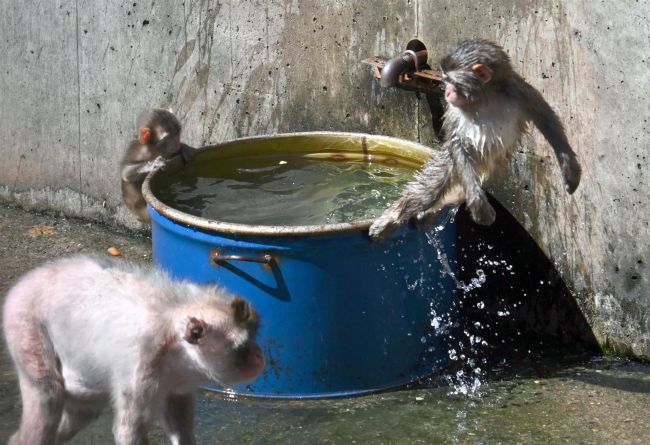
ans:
x=493 y=129
x=118 y=331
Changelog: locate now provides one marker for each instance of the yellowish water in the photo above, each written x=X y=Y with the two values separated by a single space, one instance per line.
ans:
x=288 y=191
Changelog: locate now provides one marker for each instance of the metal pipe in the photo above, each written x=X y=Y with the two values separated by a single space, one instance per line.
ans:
x=394 y=68
x=409 y=61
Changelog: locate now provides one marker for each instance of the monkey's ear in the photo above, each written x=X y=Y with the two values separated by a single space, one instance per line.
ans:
x=483 y=72
x=195 y=330
x=243 y=314
x=144 y=136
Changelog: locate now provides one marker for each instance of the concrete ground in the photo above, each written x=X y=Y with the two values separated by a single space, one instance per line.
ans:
x=29 y=239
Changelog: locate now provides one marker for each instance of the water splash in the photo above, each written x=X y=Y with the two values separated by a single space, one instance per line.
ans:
x=468 y=375
x=434 y=240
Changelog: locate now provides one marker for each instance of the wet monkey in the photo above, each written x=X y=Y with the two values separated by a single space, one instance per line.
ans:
x=159 y=138
x=87 y=332
x=489 y=108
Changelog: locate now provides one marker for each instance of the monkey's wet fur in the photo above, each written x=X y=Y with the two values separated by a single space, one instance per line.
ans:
x=489 y=109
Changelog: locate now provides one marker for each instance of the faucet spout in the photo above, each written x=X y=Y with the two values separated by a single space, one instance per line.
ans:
x=413 y=59
x=394 y=68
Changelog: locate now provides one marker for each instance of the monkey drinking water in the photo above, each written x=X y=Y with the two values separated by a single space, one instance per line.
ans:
x=159 y=138
x=86 y=331
x=489 y=107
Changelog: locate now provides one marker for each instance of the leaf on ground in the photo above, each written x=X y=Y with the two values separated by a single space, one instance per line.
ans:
x=114 y=251
x=40 y=230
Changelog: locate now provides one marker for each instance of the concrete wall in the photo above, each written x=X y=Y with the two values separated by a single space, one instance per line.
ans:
x=76 y=73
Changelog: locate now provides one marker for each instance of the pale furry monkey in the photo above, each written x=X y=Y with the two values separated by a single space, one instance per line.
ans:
x=489 y=107
x=87 y=331
x=159 y=138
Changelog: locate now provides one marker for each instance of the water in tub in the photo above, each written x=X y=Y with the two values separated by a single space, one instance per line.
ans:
x=286 y=191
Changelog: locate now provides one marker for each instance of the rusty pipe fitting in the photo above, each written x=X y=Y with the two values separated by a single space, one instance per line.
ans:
x=413 y=59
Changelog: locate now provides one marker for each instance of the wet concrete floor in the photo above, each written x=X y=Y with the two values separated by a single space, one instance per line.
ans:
x=535 y=400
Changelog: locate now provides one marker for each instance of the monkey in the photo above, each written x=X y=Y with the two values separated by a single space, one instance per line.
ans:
x=159 y=139
x=84 y=331
x=489 y=108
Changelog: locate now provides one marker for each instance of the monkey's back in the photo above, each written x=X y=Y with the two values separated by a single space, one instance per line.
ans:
x=93 y=312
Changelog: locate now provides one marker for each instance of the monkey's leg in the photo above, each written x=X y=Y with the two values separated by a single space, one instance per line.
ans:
x=140 y=211
x=188 y=153
x=41 y=384
x=455 y=195
x=418 y=196
x=131 y=422
x=42 y=405
x=76 y=414
x=134 y=201
x=477 y=202
x=178 y=419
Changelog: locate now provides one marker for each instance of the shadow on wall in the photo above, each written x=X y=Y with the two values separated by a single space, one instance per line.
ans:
x=522 y=307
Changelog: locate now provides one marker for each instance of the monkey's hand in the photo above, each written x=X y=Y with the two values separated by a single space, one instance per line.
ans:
x=384 y=225
x=482 y=212
x=571 y=171
x=150 y=166
x=188 y=153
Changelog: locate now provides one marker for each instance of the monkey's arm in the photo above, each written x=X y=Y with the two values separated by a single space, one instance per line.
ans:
x=548 y=123
x=187 y=153
x=131 y=421
x=419 y=195
x=136 y=172
x=130 y=173
x=477 y=202
x=178 y=418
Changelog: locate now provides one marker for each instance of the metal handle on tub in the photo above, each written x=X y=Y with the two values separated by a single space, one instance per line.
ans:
x=217 y=257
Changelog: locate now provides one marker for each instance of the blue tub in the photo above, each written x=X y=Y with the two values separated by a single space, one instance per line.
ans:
x=340 y=315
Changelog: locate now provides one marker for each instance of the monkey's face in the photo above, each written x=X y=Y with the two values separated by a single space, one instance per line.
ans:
x=168 y=141
x=471 y=69
x=223 y=346
x=463 y=87
x=453 y=94
x=170 y=144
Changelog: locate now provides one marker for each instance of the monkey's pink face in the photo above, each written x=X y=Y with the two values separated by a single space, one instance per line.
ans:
x=453 y=96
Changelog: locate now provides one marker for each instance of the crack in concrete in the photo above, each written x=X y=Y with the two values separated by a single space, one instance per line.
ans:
x=76 y=4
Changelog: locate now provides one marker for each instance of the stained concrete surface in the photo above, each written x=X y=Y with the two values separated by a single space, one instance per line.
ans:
x=78 y=72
